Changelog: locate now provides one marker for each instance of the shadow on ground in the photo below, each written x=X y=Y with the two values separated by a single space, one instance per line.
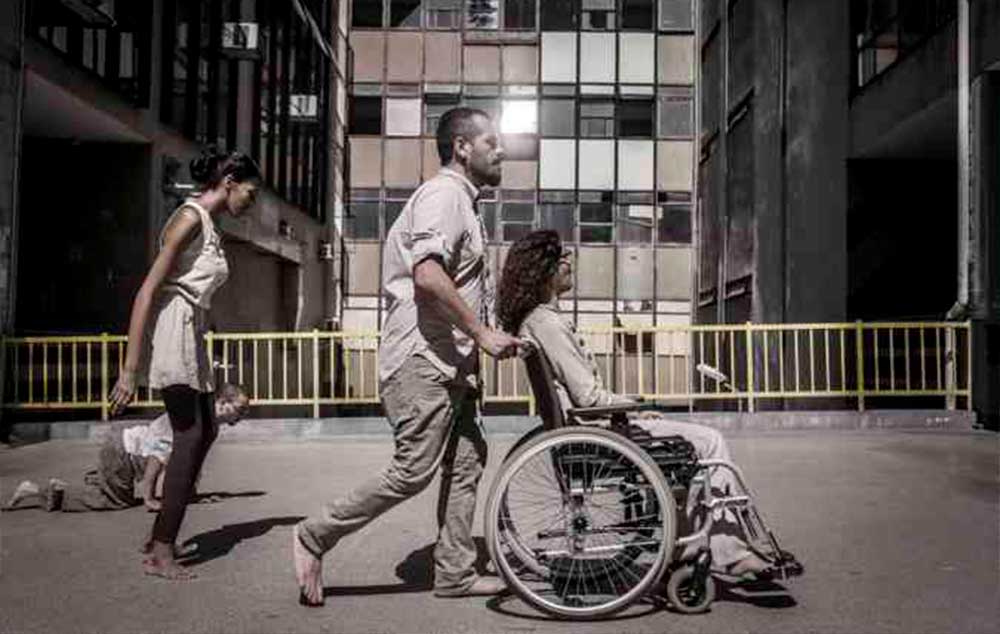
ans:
x=217 y=543
x=416 y=574
x=209 y=497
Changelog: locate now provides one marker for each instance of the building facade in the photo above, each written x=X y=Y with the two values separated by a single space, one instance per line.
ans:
x=116 y=97
x=848 y=167
x=594 y=101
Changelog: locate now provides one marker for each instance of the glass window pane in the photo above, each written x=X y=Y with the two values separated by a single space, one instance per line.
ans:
x=402 y=117
x=558 y=117
x=598 y=14
x=519 y=212
x=443 y=57
x=635 y=166
x=597 y=165
x=434 y=107
x=595 y=233
x=674 y=224
x=519 y=116
x=675 y=117
x=635 y=224
x=402 y=167
x=674 y=169
x=482 y=64
x=519 y=14
x=676 y=59
x=595 y=212
x=520 y=147
x=520 y=65
x=489 y=214
x=366 y=13
x=637 y=14
x=365 y=115
x=482 y=14
x=515 y=231
x=488 y=105
x=558 y=57
x=404 y=13
x=369 y=56
x=392 y=210
x=637 y=58
x=598 y=55
x=635 y=118
x=559 y=15
x=362 y=221
x=558 y=164
x=558 y=217
x=676 y=15
x=597 y=119
x=443 y=14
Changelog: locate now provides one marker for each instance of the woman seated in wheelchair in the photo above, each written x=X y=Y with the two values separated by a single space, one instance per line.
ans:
x=536 y=272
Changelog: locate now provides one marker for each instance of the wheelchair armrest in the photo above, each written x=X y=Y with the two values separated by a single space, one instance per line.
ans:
x=607 y=411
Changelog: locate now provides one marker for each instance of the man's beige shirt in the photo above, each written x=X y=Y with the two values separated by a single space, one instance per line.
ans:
x=440 y=221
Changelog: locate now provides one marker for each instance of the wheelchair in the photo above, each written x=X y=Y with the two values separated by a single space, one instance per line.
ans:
x=583 y=521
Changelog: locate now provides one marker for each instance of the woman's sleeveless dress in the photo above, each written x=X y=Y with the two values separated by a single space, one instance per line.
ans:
x=175 y=352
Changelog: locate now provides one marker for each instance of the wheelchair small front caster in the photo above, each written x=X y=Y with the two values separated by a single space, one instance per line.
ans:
x=689 y=594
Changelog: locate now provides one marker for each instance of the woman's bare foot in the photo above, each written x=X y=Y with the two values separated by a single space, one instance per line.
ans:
x=161 y=563
x=308 y=573
x=750 y=567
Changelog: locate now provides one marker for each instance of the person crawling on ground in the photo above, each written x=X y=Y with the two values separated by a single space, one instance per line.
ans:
x=132 y=459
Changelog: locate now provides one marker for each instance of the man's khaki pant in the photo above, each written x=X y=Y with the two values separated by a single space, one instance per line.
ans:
x=434 y=423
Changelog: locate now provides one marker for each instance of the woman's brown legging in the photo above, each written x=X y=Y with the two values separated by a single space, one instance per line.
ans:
x=191 y=418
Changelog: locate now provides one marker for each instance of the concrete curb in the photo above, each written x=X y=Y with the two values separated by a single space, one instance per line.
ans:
x=316 y=429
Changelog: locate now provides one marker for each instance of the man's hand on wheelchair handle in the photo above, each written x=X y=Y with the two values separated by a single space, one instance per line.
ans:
x=499 y=344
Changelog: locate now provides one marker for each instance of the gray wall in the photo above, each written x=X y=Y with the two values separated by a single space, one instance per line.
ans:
x=11 y=78
x=774 y=190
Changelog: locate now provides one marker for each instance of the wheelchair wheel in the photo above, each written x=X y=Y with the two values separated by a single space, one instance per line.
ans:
x=686 y=594
x=580 y=522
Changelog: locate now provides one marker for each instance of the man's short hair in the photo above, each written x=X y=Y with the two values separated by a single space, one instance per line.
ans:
x=455 y=123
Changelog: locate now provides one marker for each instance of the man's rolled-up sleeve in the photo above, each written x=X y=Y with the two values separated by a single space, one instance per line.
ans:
x=438 y=225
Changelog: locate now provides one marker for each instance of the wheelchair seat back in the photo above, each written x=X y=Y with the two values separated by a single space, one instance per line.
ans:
x=543 y=386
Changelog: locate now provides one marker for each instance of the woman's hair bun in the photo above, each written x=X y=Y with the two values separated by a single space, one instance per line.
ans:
x=204 y=167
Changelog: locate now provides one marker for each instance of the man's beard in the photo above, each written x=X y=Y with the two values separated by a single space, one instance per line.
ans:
x=490 y=177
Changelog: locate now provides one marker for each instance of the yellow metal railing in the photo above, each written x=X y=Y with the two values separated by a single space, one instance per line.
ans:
x=848 y=363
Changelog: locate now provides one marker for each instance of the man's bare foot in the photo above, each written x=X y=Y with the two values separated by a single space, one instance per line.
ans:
x=308 y=573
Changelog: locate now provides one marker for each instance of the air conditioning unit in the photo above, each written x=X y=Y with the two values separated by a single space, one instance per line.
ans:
x=303 y=107
x=326 y=251
x=241 y=39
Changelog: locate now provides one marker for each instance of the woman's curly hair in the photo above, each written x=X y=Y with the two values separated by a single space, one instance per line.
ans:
x=531 y=262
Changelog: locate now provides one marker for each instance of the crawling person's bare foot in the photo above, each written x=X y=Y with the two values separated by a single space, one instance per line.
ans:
x=308 y=573
x=161 y=563
x=24 y=491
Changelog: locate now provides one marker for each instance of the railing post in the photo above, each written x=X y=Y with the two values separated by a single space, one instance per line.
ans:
x=209 y=340
x=859 y=338
x=968 y=365
x=950 y=367
x=315 y=365
x=750 y=377
x=105 y=383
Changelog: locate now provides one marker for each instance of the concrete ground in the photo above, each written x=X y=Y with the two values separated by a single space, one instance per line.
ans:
x=898 y=530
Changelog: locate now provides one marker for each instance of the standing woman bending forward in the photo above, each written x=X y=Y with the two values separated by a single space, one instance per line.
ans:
x=169 y=318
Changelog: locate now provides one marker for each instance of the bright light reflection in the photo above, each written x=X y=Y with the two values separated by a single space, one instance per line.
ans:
x=519 y=116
